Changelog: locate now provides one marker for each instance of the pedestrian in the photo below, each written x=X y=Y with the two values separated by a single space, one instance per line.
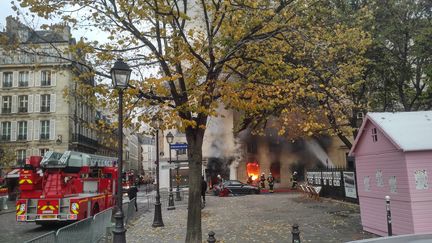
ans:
x=263 y=179
x=203 y=190
x=270 y=180
x=132 y=193
x=294 y=180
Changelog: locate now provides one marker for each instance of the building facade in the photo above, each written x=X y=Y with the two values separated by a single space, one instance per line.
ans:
x=36 y=116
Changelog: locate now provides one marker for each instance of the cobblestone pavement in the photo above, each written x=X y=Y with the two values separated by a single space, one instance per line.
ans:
x=258 y=218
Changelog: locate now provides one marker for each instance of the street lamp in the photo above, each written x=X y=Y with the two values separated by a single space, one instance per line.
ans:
x=170 y=138
x=120 y=74
x=157 y=220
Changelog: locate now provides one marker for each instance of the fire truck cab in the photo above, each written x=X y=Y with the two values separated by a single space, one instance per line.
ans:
x=65 y=186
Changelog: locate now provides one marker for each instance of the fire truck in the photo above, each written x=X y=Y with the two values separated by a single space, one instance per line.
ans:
x=67 y=186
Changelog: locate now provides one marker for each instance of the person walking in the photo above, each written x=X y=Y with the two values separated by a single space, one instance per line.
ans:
x=203 y=190
x=270 y=180
x=262 y=179
x=132 y=193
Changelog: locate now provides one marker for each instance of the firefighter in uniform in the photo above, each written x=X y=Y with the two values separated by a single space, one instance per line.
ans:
x=249 y=181
x=263 y=179
x=270 y=180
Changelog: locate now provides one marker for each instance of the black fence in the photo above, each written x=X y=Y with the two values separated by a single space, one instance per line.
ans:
x=339 y=183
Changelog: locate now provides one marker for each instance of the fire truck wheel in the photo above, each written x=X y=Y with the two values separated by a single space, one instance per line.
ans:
x=95 y=209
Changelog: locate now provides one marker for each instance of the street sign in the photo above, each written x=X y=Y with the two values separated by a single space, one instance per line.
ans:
x=179 y=146
x=172 y=166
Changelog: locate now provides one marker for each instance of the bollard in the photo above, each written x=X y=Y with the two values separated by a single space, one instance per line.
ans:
x=211 y=238
x=295 y=234
x=389 y=221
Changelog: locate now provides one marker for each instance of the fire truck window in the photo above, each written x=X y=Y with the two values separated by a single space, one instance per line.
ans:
x=75 y=161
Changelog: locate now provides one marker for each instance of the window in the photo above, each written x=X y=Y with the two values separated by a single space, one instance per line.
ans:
x=23 y=78
x=6 y=104
x=46 y=78
x=374 y=135
x=21 y=156
x=45 y=103
x=22 y=130
x=6 y=131
x=252 y=147
x=23 y=103
x=44 y=132
x=43 y=151
x=7 y=79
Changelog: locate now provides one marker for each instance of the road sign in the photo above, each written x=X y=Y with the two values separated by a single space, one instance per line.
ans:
x=179 y=146
x=168 y=166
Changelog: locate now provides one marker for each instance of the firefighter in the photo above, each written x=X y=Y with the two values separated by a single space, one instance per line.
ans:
x=270 y=181
x=203 y=191
x=250 y=180
x=263 y=179
x=294 y=180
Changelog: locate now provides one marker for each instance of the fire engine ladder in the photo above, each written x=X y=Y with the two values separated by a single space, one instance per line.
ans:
x=53 y=187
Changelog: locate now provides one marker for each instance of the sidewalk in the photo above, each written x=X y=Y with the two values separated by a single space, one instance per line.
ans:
x=258 y=218
x=10 y=205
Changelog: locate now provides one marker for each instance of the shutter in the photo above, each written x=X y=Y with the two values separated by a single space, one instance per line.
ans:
x=1 y=104
x=37 y=103
x=36 y=151
x=29 y=130
x=36 y=125
x=53 y=103
x=30 y=103
x=1 y=79
x=13 y=131
x=28 y=153
x=53 y=78
x=14 y=103
x=31 y=78
x=15 y=79
x=52 y=129
x=37 y=76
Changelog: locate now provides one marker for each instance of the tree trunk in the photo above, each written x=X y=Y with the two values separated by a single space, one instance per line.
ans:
x=195 y=139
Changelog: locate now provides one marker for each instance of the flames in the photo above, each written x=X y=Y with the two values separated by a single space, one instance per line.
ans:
x=253 y=169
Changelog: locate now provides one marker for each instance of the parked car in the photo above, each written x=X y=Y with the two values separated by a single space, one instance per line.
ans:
x=236 y=187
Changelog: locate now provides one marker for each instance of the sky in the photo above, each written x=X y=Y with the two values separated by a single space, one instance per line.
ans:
x=6 y=10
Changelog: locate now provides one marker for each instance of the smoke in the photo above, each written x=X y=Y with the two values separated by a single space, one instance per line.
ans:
x=315 y=148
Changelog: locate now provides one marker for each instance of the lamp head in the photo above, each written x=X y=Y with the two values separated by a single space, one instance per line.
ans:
x=120 y=74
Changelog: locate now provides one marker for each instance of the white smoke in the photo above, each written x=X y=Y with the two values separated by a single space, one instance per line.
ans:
x=313 y=146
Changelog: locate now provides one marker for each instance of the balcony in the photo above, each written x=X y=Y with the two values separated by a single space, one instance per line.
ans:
x=45 y=109
x=78 y=138
x=7 y=84
x=46 y=83
x=5 y=138
x=22 y=109
x=6 y=110
x=44 y=136
x=23 y=84
x=21 y=162
x=22 y=137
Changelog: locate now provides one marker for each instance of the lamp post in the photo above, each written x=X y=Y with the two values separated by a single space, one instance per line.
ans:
x=178 y=197
x=120 y=74
x=157 y=220
x=170 y=138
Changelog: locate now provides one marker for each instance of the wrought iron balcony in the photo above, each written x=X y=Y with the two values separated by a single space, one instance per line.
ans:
x=7 y=84
x=22 y=137
x=6 y=110
x=5 y=137
x=44 y=136
x=22 y=84
x=22 y=109
x=79 y=138
x=45 y=109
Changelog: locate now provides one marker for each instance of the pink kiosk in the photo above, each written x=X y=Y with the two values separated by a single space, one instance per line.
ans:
x=393 y=154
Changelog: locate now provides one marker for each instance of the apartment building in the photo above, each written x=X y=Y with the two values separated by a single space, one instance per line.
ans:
x=35 y=114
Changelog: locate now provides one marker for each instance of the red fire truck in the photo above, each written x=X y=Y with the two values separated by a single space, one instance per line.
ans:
x=65 y=186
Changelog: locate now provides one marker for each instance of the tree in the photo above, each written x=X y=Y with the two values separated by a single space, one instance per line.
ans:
x=209 y=52
x=7 y=157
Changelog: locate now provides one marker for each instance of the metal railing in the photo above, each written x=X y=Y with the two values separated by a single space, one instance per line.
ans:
x=91 y=229
x=49 y=237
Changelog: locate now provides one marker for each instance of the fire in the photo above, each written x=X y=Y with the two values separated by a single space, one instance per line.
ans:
x=252 y=169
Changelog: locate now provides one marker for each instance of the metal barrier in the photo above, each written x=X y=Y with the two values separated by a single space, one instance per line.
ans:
x=77 y=232
x=49 y=237
x=131 y=210
x=125 y=209
x=101 y=221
